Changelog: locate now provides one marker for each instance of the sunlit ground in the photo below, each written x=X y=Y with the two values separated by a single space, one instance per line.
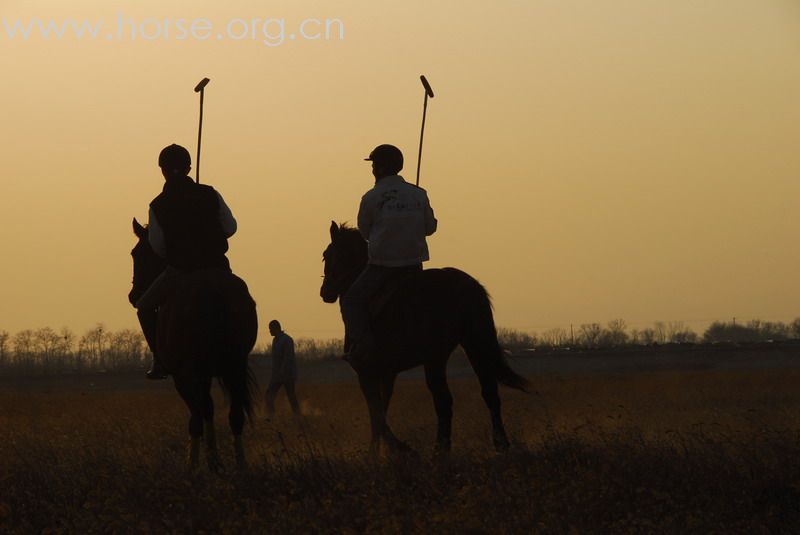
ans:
x=637 y=452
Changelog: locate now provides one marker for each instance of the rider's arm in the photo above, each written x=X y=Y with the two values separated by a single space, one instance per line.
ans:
x=365 y=217
x=226 y=218
x=430 y=220
x=155 y=235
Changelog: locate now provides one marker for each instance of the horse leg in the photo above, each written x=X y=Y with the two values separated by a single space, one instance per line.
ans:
x=492 y=400
x=387 y=388
x=371 y=388
x=488 y=380
x=237 y=389
x=209 y=432
x=436 y=379
x=188 y=392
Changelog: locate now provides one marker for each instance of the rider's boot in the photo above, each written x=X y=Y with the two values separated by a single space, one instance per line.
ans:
x=361 y=352
x=157 y=370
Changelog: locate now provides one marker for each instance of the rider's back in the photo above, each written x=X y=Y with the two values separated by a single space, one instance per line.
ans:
x=193 y=235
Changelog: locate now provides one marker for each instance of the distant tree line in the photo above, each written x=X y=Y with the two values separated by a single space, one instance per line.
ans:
x=98 y=349
x=46 y=350
x=308 y=348
x=616 y=334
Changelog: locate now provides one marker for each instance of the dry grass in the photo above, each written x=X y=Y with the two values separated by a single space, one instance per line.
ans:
x=668 y=452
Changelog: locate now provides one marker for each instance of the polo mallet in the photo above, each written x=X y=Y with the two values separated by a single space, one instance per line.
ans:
x=428 y=93
x=200 y=88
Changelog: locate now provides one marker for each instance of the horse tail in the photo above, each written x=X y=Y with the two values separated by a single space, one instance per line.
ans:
x=241 y=329
x=479 y=337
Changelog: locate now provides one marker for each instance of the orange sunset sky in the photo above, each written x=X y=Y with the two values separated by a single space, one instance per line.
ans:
x=587 y=160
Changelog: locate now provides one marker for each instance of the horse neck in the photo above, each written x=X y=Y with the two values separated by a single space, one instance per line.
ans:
x=151 y=266
x=358 y=263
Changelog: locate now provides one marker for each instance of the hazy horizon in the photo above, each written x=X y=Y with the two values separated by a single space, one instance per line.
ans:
x=586 y=162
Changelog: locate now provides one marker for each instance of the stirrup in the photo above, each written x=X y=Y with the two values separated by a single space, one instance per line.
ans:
x=156 y=373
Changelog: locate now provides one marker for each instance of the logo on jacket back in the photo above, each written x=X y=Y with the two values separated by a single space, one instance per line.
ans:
x=391 y=204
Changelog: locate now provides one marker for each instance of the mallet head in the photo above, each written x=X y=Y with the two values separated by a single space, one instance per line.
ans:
x=427 y=86
x=202 y=85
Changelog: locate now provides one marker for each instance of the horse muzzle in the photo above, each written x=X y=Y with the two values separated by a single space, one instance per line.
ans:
x=328 y=295
x=134 y=296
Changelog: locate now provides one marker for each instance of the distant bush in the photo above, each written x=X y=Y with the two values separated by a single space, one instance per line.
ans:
x=753 y=331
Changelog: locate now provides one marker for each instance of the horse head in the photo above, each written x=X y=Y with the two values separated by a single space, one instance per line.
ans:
x=147 y=265
x=344 y=259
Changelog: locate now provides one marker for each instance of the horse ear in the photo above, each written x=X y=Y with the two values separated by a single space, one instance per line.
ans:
x=334 y=229
x=138 y=229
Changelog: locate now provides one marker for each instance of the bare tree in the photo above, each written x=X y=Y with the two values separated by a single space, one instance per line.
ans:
x=4 y=338
x=67 y=341
x=794 y=328
x=555 y=337
x=636 y=337
x=679 y=333
x=126 y=348
x=515 y=340
x=46 y=344
x=23 y=346
x=589 y=334
x=660 y=331
x=93 y=345
x=648 y=336
x=616 y=335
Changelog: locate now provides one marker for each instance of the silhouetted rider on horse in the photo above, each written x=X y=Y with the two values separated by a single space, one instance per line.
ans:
x=394 y=217
x=189 y=226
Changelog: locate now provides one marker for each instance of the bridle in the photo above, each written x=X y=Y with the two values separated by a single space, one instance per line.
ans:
x=342 y=280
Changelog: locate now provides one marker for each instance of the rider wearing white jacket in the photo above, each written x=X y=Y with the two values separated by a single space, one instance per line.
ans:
x=394 y=217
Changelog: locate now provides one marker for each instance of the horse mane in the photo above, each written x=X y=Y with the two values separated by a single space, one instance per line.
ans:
x=346 y=228
x=350 y=234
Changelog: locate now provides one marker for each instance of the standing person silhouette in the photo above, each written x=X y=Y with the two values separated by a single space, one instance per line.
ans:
x=284 y=369
x=189 y=226
x=394 y=217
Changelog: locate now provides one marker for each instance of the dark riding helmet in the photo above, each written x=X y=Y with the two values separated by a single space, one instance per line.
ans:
x=387 y=156
x=175 y=159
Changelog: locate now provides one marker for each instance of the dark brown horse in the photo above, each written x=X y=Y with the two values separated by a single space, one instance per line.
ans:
x=420 y=322
x=206 y=329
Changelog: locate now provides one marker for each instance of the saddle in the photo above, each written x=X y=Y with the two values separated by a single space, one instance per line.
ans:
x=207 y=310
x=394 y=303
x=207 y=282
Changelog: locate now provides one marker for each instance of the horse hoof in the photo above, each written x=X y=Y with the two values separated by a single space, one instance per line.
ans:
x=215 y=465
x=241 y=463
x=404 y=451
x=401 y=447
x=442 y=449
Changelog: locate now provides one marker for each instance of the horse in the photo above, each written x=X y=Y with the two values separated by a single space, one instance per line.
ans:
x=206 y=329
x=420 y=321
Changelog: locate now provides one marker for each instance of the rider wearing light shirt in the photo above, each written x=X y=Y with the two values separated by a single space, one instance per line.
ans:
x=394 y=217
x=189 y=226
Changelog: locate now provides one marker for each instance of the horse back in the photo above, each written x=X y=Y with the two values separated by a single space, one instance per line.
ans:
x=208 y=324
x=429 y=309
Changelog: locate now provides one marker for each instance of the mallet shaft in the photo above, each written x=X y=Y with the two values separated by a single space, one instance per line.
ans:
x=428 y=93
x=200 y=88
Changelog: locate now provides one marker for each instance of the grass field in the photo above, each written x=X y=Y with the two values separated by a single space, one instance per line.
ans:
x=709 y=451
